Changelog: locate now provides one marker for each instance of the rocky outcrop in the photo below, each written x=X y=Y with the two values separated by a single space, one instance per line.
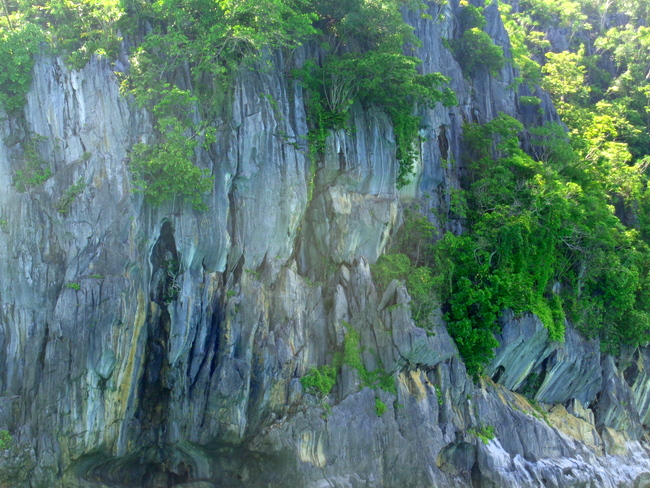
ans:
x=165 y=346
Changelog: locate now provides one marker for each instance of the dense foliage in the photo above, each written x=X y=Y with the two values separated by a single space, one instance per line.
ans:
x=601 y=89
x=541 y=236
x=365 y=63
x=181 y=69
x=560 y=230
x=474 y=49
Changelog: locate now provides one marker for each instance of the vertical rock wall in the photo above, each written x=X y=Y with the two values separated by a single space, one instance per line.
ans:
x=164 y=347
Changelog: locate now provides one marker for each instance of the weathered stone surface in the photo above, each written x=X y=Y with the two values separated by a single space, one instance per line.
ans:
x=523 y=346
x=345 y=226
x=572 y=371
x=267 y=149
x=637 y=376
x=108 y=379
x=616 y=407
x=573 y=426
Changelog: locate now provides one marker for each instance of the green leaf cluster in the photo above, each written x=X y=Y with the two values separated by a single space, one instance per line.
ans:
x=420 y=281
x=64 y=204
x=165 y=171
x=33 y=169
x=319 y=381
x=351 y=356
x=5 y=440
x=474 y=49
x=484 y=432
x=380 y=407
x=366 y=63
x=17 y=48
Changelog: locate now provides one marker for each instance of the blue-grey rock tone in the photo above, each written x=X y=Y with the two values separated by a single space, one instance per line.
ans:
x=106 y=382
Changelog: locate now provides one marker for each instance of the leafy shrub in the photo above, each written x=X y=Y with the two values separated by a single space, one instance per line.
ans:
x=165 y=171
x=68 y=197
x=319 y=381
x=476 y=50
x=390 y=267
x=380 y=407
x=5 y=440
x=33 y=169
x=17 y=48
x=483 y=432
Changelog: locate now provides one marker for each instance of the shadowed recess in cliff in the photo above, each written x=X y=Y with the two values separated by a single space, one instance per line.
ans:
x=155 y=387
x=162 y=467
x=165 y=263
x=187 y=464
x=204 y=353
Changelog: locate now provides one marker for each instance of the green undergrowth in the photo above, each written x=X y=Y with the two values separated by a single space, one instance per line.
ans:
x=5 y=440
x=365 y=63
x=320 y=381
x=32 y=170
x=484 y=432
x=474 y=49
x=541 y=236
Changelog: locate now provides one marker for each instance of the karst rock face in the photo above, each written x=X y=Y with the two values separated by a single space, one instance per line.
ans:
x=160 y=347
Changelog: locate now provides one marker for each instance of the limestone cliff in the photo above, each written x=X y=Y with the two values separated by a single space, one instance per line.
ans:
x=162 y=347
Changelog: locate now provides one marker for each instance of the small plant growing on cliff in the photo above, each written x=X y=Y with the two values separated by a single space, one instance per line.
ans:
x=63 y=207
x=439 y=395
x=483 y=432
x=319 y=381
x=34 y=170
x=475 y=49
x=165 y=171
x=5 y=440
x=351 y=356
x=74 y=286
x=380 y=407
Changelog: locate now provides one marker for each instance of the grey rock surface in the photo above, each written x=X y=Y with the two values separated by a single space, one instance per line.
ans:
x=524 y=345
x=106 y=380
